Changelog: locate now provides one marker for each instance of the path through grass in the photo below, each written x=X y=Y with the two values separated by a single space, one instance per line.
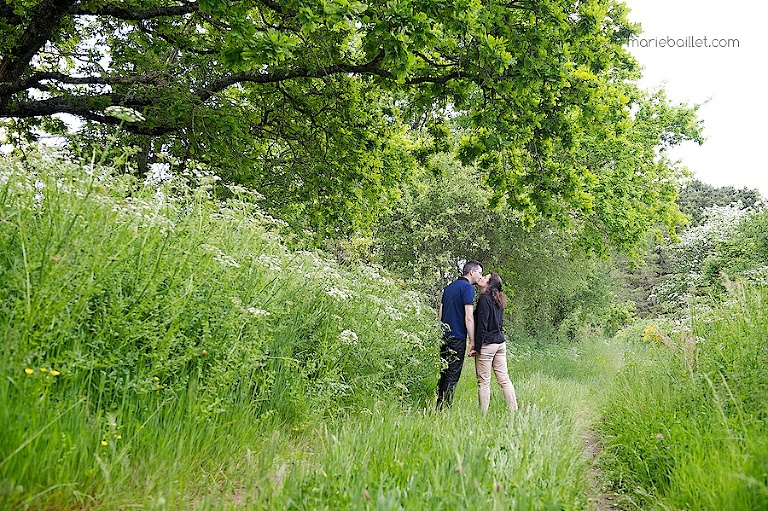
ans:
x=389 y=458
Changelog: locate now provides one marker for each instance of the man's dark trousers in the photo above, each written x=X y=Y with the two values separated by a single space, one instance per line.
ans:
x=452 y=350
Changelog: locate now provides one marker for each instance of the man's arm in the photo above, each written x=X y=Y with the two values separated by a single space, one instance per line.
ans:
x=469 y=321
x=440 y=312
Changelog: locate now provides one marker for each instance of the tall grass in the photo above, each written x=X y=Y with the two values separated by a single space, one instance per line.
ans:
x=142 y=320
x=686 y=428
x=162 y=350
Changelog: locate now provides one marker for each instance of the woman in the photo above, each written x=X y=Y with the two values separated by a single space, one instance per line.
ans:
x=490 y=348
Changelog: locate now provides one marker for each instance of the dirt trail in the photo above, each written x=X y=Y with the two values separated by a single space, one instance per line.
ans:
x=602 y=501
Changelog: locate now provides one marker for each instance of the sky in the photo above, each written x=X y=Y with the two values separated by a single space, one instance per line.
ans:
x=728 y=81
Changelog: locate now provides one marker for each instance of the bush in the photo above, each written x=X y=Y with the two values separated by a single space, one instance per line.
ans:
x=731 y=244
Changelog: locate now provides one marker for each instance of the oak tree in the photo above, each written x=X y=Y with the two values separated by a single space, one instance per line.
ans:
x=310 y=101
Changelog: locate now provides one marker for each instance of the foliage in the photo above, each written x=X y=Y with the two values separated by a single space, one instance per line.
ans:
x=635 y=184
x=308 y=102
x=742 y=255
x=676 y=268
x=439 y=219
x=457 y=210
x=162 y=350
x=182 y=272
x=124 y=303
x=638 y=281
x=328 y=169
x=696 y=197
x=685 y=427
x=555 y=289
x=728 y=244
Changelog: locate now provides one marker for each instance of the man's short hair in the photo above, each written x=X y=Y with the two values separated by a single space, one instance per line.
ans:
x=470 y=266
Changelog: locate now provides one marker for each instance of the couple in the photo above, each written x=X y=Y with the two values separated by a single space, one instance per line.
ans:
x=483 y=327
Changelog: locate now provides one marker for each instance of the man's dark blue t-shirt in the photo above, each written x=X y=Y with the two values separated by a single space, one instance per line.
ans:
x=456 y=295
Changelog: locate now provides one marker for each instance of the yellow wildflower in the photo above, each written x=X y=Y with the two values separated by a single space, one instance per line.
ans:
x=118 y=437
x=103 y=443
x=43 y=369
x=652 y=334
x=54 y=372
x=29 y=371
x=156 y=378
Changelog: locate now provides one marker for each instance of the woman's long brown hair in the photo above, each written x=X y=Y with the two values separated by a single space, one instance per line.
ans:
x=495 y=289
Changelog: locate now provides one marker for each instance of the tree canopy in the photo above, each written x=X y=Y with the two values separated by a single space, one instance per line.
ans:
x=312 y=101
x=696 y=196
x=85 y=55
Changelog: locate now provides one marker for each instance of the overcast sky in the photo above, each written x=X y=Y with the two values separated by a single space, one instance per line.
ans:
x=729 y=79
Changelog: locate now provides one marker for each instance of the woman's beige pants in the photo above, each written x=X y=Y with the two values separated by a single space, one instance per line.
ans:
x=493 y=356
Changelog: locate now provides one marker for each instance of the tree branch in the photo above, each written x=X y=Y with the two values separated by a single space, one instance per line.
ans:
x=44 y=22
x=85 y=107
x=275 y=6
x=371 y=68
x=135 y=14
x=35 y=80
x=90 y=107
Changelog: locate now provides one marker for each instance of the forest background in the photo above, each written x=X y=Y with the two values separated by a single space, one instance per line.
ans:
x=233 y=263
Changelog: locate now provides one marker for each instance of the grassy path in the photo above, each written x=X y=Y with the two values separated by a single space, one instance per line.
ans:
x=574 y=379
x=540 y=459
x=388 y=457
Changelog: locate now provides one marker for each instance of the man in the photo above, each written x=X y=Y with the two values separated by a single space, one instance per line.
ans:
x=456 y=311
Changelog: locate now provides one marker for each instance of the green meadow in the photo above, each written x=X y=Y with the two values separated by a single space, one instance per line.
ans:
x=164 y=349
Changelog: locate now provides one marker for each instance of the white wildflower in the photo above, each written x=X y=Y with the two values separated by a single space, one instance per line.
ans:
x=348 y=337
x=271 y=262
x=220 y=256
x=335 y=292
x=269 y=218
x=375 y=299
x=226 y=260
x=371 y=272
x=258 y=312
x=394 y=313
x=411 y=337
x=39 y=186
x=306 y=275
